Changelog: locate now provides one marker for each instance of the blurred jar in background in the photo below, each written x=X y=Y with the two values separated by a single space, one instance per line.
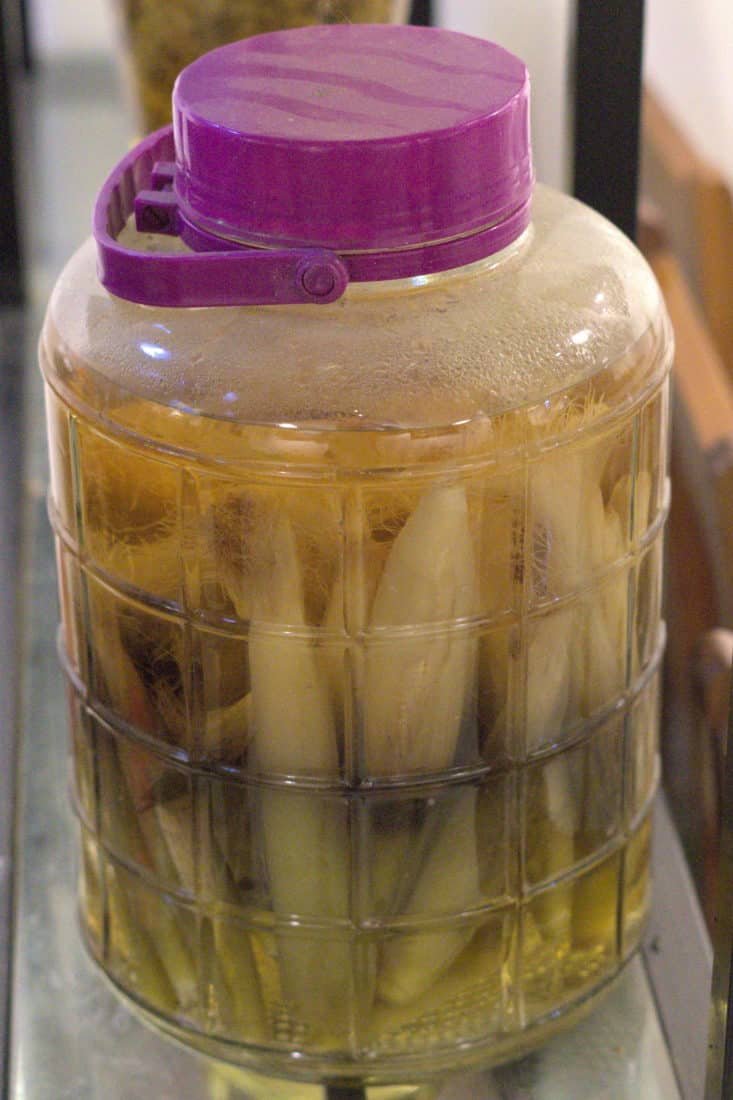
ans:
x=161 y=37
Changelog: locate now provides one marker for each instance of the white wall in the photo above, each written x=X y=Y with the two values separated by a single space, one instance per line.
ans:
x=538 y=31
x=689 y=45
x=72 y=26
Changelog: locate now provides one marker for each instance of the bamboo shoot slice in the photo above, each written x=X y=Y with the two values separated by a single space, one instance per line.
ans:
x=448 y=881
x=305 y=844
x=416 y=689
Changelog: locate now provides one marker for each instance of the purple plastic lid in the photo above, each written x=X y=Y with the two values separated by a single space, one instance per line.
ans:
x=305 y=159
x=352 y=137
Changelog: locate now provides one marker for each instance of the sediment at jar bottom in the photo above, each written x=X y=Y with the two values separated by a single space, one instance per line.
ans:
x=348 y=650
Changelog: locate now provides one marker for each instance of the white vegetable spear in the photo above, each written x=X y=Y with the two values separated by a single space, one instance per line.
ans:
x=304 y=835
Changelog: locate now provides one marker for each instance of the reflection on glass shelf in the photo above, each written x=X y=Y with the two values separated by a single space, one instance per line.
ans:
x=616 y=1054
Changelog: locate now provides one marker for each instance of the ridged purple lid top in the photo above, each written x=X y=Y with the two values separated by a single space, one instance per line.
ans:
x=352 y=137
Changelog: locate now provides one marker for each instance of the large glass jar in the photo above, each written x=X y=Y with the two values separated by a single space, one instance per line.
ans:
x=361 y=600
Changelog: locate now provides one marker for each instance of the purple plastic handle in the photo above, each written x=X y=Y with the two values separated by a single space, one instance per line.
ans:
x=220 y=272
x=230 y=277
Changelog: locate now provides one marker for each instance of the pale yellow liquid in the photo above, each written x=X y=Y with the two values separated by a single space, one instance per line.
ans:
x=358 y=775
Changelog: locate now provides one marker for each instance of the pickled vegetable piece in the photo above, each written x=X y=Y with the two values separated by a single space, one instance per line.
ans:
x=303 y=838
x=416 y=693
x=450 y=869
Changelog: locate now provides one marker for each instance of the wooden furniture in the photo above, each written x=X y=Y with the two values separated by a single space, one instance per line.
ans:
x=699 y=592
x=687 y=235
x=697 y=211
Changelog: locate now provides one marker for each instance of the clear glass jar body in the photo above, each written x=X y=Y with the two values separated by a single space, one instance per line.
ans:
x=361 y=622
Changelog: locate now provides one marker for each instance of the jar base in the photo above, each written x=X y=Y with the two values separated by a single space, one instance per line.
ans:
x=263 y=1074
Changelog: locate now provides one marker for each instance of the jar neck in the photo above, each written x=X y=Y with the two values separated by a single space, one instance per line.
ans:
x=361 y=291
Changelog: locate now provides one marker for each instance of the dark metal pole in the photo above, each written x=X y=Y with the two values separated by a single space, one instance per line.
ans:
x=421 y=14
x=25 y=35
x=11 y=269
x=608 y=56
